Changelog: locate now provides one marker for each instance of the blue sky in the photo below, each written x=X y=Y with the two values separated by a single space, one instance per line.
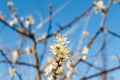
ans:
x=40 y=11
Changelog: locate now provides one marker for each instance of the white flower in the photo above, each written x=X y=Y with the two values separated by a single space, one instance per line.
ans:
x=69 y=73
x=54 y=49
x=62 y=51
x=30 y=18
x=68 y=64
x=85 y=33
x=2 y=17
x=15 y=55
x=59 y=70
x=29 y=21
x=9 y=3
x=62 y=40
x=50 y=78
x=65 y=52
x=99 y=5
x=11 y=23
x=83 y=57
x=28 y=50
x=49 y=68
x=44 y=35
x=27 y=24
x=106 y=30
x=61 y=48
x=12 y=71
x=85 y=50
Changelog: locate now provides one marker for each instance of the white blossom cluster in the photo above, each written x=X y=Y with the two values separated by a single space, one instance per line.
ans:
x=60 y=48
x=15 y=19
x=61 y=51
